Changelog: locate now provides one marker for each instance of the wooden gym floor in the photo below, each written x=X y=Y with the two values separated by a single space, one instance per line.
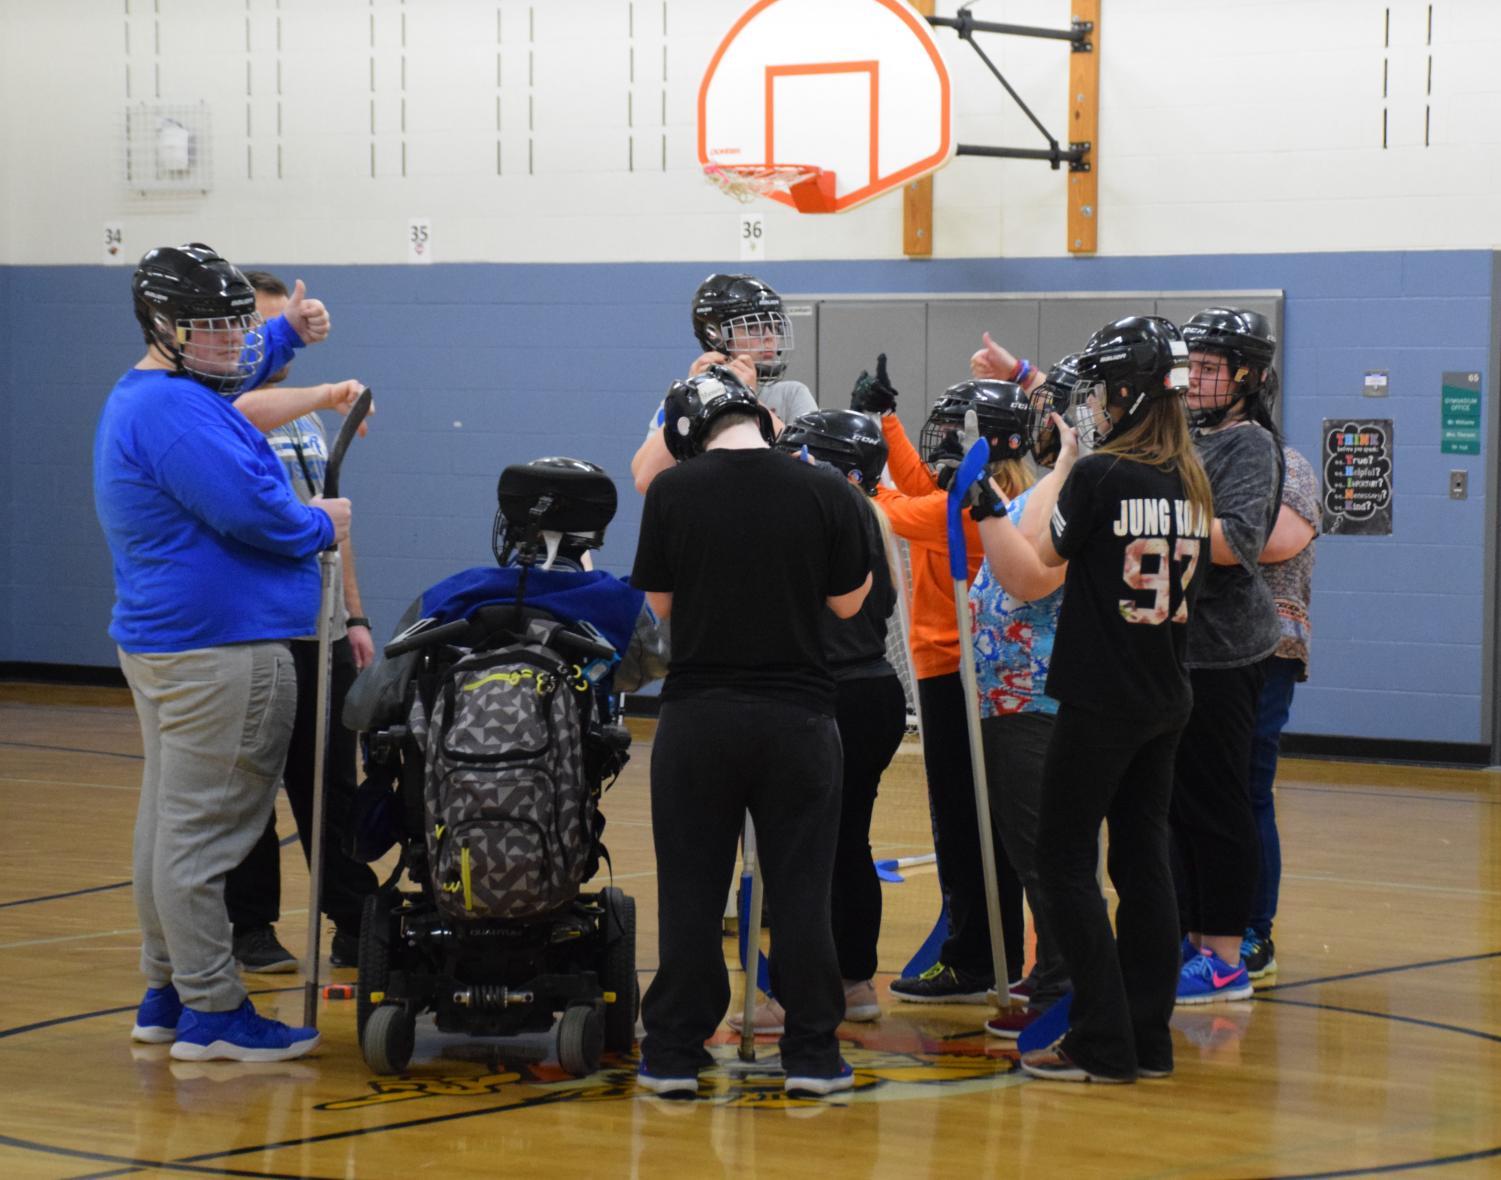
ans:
x=1376 y=1051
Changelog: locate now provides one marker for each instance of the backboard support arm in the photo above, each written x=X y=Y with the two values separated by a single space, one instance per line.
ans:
x=1084 y=115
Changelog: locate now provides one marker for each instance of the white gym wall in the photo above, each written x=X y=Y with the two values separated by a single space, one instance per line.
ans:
x=562 y=130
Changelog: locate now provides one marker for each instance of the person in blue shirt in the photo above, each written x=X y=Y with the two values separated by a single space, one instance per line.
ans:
x=214 y=572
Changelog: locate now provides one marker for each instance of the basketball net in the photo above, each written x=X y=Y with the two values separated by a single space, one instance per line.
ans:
x=810 y=187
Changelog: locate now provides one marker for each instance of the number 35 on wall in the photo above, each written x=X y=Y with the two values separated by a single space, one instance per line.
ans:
x=419 y=240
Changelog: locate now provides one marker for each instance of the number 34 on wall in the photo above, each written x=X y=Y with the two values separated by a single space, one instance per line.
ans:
x=114 y=243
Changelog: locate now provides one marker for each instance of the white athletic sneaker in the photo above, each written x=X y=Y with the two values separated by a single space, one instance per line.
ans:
x=860 y=1004
x=771 y=1018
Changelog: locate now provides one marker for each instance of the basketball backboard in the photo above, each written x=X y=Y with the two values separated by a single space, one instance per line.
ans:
x=856 y=88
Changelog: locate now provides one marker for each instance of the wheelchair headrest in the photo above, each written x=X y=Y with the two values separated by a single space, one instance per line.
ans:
x=582 y=497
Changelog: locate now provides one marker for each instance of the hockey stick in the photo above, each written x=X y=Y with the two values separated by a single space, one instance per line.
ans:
x=927 y=953
x=887 y=870
x=750 y=935
x=326 y=562
x=972 y=469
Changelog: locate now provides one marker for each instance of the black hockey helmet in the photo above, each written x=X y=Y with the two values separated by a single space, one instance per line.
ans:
x=1248 y=342
x=200 y=312
x=847 y=439
x=734 y=314
x=572 y=499
x=694 y=405
x=1054 y=396
x=1128 y=363
x=1002 y=412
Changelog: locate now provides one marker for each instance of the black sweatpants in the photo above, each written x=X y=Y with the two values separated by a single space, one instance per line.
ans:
x=872 y=717
x=713 y=759
x=252 y=892
x=1102 y=767
x=1217 y=847
x=1016 y=749
x=956 y=836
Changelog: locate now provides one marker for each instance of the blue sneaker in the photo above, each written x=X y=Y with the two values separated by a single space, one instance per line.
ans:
x=821 y=1085
x=239 y=1035
x=1208 y=979
x=667 y=1085
x=156 y=1018
x=1187 y=952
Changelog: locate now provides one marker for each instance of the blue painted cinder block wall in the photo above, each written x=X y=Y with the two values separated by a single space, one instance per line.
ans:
x=477 y=366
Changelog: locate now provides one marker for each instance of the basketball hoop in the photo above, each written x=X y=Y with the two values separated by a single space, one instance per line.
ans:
x=810 y=187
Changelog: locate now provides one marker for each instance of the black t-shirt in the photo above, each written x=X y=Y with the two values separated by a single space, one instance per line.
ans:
x=749 y=543
x=1138 y=555
x=855 y=648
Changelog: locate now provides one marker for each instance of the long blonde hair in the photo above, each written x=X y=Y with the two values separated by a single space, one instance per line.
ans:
x=1160 y=439
x=1013 y=476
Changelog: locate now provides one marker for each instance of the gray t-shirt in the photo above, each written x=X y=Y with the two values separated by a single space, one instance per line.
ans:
x=788 y=400
x=1235 y=622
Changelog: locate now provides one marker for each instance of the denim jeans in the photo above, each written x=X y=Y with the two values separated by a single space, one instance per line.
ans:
x=1271 y=715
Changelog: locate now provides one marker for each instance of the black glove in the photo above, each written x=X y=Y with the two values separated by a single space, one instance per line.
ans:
x=983 y=501
x=873 y=395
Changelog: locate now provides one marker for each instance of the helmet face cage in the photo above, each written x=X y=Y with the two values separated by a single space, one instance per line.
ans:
x=764 y=336
x=222 y=352
x=942 y=438
x=1090 y=416
x=1046 y=400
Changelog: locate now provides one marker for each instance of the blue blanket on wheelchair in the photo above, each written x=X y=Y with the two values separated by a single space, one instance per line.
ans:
x=591 y=596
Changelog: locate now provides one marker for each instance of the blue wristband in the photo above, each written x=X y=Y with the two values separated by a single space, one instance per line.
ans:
x=1023 y=371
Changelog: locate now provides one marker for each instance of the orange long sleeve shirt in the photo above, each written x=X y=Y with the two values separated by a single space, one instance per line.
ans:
x=918 y=512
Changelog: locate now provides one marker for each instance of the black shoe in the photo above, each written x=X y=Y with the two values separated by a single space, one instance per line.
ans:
x=1259 y=953
x=941 y=984
x=344 y=950
x=257 y=949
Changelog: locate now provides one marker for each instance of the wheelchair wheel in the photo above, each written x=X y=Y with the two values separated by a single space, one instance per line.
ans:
x=375 y=960
x=617 y=972
x=388 y=1039
x=581 y=1036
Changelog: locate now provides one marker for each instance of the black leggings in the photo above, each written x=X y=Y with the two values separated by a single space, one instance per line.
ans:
x=872 y=716
x=951 y=791
x=1102 y=767
x=1216 y=846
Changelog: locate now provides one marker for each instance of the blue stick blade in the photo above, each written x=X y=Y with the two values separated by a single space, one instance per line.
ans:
x=927 y=954
x=1048 y=1027
x=969 y=471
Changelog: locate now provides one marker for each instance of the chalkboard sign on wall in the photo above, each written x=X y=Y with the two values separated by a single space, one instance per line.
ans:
x=1358 y=476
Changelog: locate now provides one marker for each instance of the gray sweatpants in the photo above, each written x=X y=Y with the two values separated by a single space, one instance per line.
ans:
x=215 y=723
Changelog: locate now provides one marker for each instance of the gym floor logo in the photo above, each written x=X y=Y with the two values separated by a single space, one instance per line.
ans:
x=881 y=1075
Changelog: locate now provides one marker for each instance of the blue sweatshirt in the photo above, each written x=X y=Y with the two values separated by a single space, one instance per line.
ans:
x=210 y=545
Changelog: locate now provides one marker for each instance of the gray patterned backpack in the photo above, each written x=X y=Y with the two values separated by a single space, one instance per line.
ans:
x=509 y=815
